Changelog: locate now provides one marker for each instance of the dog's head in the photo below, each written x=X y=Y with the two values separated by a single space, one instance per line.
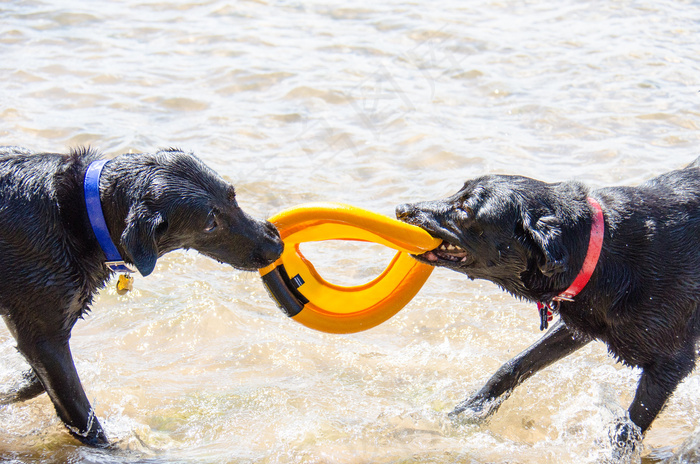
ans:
x=511 y=230
x=172 y=200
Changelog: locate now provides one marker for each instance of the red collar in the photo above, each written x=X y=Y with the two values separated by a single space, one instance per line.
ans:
x=595 y=244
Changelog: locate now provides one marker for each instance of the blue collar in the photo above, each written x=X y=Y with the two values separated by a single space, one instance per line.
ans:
x=91 y=187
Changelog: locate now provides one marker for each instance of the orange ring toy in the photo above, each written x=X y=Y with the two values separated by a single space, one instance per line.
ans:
x=302 y=294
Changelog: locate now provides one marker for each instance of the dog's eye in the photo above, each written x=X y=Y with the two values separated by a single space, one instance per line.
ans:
x=211 y=223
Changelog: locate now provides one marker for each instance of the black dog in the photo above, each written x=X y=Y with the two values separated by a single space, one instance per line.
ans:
x=52 y=263
x=532 y=239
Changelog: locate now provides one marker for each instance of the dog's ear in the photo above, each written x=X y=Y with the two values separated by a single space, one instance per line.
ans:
x=546 y=233
x=140 y=237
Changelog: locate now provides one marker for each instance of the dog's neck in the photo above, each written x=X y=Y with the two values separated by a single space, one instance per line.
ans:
x=595 y=245
x=93 y=203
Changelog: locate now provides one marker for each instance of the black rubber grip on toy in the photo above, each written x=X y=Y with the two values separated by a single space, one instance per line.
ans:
x=285 y=291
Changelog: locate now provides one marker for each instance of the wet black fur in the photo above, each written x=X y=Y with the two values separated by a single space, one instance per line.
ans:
x=52 y=266
x=531 y=238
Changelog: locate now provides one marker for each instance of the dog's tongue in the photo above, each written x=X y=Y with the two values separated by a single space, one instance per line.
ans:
x=430 y=256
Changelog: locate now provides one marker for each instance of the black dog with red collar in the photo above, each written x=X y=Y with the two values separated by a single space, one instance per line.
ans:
x=633 y=261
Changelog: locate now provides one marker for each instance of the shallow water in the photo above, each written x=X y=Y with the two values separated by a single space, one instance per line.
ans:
x=373 y=104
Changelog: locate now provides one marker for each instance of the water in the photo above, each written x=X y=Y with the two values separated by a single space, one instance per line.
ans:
x=373 y=104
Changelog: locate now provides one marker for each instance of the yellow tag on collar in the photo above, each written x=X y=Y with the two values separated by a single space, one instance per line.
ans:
x=125 y=283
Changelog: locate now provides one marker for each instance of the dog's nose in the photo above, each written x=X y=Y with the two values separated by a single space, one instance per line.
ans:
x=273 y=249
x=273 y=252
x=404 y=211
x=268 y=253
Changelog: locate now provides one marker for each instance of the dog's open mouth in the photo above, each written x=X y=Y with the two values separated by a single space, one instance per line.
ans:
x=446 y=252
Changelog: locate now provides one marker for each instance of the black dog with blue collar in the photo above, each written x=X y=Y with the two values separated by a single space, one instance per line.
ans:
x=68 y=221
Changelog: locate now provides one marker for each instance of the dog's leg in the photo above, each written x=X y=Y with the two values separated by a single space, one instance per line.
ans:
x=556 y=344
x=656 y=385
x=52 y=362
x=28 y=387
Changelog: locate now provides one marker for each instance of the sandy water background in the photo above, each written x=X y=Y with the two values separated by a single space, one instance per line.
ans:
x=368 y=103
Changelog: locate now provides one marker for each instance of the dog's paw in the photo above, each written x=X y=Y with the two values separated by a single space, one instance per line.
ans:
x=625 y=441
x=476 y=409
